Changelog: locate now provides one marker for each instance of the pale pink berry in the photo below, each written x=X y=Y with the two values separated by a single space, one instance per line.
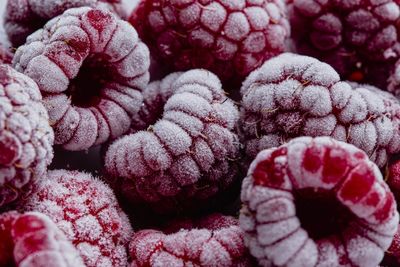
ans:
x=86 y=210
x=26 y=138
x=215 y=240
x=317 y=202
x=229 y=38
x=33 y=240
x=293 y=95
x=90 y=67
x=188 y=154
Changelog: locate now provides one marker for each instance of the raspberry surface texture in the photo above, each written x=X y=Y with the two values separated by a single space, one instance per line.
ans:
x=26 y=137
x=215 y=240
x=293 y=95
x=33 y=240
x=86 y=210
x=6 y=55
x=188 y=154
x=352 y=36
x=229 y=38
x=317 y=202
x=23 y=17
x=90 y=67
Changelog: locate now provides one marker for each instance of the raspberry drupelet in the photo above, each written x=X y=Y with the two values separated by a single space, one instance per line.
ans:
x=188 y=155
x=317 y=202
x=293 y=95
x=86 y=210
x=26 y=138
x=215 y=240
x=90 y=67
x=23 y=17
x=229 y=38
x=33 y=240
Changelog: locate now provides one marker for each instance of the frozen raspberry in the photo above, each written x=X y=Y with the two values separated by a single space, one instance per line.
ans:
x=229 y=38
x=317 y=202
x=294 y=95
x=394 y=249
x=86 y=210
x=6 y=55
x=26 y=137
x=90 y=67
x=352 y=36
x=33 y=240
x=188 y=155
x=23 y=17
x=216 y=240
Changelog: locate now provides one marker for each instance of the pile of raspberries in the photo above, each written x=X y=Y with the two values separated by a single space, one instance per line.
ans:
x=207 y=133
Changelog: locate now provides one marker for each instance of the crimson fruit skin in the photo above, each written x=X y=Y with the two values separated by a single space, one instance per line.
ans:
x=23 y=17
x=229 y=38
x=352 y=36
x=33 y=240
x=188 y=155
x=26 y=138
x=293 y=95
x=215 y=240
x=86 y=210
x=90 y=67
x=274 y=232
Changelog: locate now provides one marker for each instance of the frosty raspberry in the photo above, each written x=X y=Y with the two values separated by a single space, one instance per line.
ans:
x=317 y=202
x=90 y=67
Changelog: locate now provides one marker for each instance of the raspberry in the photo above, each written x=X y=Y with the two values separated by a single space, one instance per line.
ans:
x=90 y=67
x=317 y=202
x=86 y=210
x=186 y=156
x=5 y=55
x=394 y=249
x=216 y=240
x=33 y=240
x=26 y=138
x=294 y=95
x=23 y=17
x=229 y=38
x=352 y=36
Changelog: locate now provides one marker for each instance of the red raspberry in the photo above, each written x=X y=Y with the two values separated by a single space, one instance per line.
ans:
x=90 y=67
x=23 y=17
x=394 y=249
x=229 y=38
x=33 y=240
x=6 y=55
x=26 y=138
x=352 y=36
x=216 y=240
x=317 y=202
x=188 y=155
x=86 y=210
x=294 y=95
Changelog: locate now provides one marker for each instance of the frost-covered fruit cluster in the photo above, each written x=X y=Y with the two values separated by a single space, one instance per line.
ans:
x=230 y=38
x=317 y=202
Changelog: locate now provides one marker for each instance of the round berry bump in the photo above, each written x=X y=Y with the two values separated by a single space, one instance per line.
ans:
x=90 y=67
x=33 y=240
x=188 y=153
x=229 y=38
x=26 y=137
x=352 y=36
x=293 y=95
x=86 y=210
x=215 y=240
x=317 y=202
x=23 y=17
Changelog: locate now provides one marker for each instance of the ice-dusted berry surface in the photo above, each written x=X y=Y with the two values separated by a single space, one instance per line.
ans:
x=90 y=67
x=33 y=240
x=188 y=155
x=86 y=210
x=215 y=240
x=229 y=38
x=293 y=95
x=358 y=38
x=26 y=138
x=317 y=202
